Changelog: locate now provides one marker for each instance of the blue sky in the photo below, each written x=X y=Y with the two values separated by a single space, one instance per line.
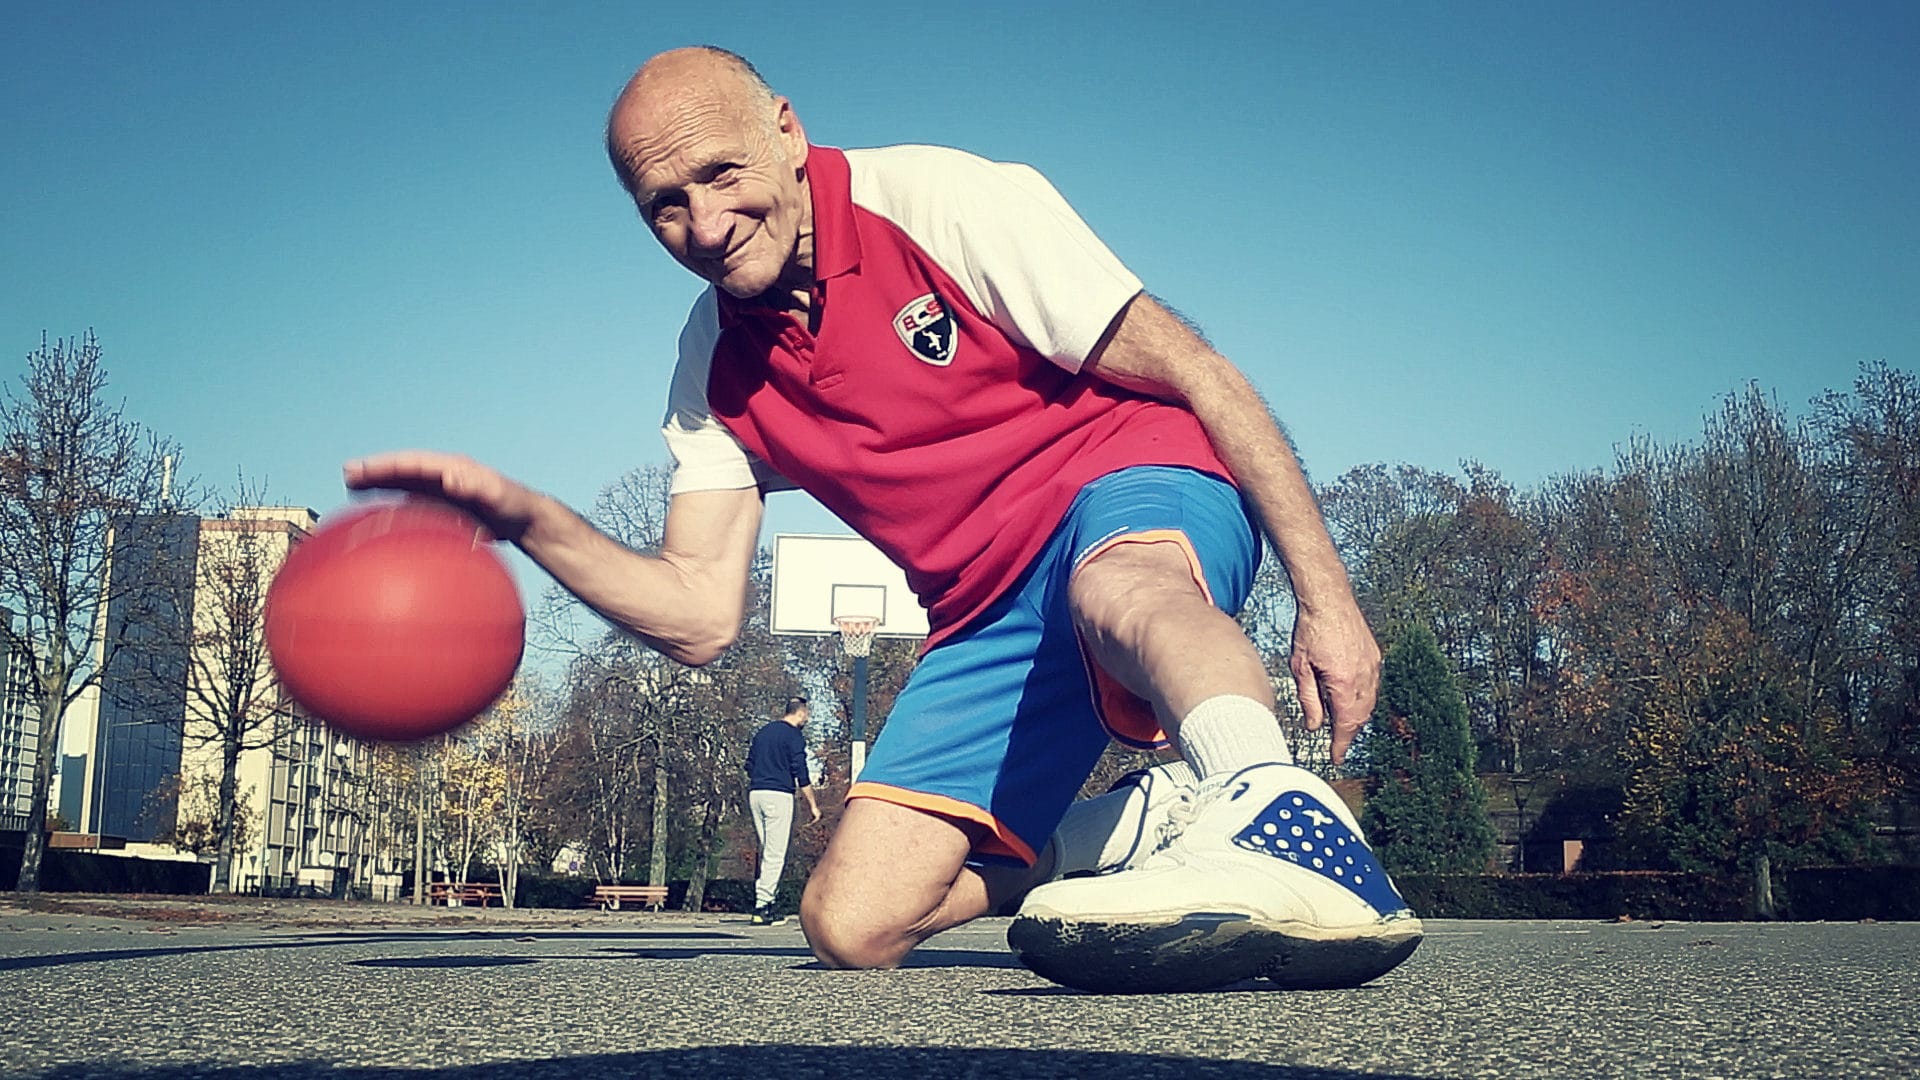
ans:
x=1517 y=234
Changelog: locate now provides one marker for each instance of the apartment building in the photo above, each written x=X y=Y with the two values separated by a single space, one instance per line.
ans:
x=19 y=739
x=307 y=795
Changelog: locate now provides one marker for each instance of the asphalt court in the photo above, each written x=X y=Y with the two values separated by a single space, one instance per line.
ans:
x=374 y=993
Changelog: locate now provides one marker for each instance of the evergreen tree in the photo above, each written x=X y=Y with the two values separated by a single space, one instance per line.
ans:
x=1427 y=811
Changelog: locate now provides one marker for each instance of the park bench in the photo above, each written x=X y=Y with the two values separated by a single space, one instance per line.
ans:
x=611 y=897
x=479 y=893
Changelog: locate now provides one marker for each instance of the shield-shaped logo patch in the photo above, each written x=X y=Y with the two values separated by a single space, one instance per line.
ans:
x=928 y=330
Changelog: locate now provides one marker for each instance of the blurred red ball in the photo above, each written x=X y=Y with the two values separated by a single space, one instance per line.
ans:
x=395 y=621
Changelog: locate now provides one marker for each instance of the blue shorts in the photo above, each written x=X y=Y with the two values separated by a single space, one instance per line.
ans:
x=1000 y=724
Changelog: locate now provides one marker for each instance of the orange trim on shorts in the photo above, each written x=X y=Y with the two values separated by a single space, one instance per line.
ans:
x=999 y=840
x=1126 y=716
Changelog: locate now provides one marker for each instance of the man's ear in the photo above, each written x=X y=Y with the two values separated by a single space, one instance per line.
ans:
x=793 y=137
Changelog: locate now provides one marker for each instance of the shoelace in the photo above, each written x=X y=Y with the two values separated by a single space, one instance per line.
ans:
x=1180 y=813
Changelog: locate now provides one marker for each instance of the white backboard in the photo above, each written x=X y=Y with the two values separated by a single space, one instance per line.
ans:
x=818 y=578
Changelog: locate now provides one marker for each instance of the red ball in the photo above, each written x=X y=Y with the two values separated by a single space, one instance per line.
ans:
x=395 y=621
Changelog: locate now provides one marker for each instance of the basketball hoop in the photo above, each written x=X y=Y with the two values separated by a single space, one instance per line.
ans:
x=856 y=633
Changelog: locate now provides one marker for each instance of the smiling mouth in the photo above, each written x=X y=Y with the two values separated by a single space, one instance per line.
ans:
x=724 y=261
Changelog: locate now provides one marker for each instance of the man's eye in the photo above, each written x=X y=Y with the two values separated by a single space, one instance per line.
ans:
x=663 y=209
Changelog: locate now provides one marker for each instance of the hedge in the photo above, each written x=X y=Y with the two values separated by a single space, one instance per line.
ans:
x=66 y=870
x=1850 y=893
x=1846 y=893
x=1820 y=893
x=730 y=894
x=722 y=894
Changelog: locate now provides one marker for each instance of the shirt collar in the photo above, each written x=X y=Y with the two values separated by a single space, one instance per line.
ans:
x=836 y=242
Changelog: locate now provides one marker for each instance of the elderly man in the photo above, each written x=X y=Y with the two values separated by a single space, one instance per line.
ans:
x=938 y=349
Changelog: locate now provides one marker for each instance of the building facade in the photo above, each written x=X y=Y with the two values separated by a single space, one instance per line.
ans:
x=135 y=744
x=19 y=740
x=171 y=701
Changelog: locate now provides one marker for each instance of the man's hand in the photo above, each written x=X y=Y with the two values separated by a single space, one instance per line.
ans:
x=1336 y=665
x=502 y=505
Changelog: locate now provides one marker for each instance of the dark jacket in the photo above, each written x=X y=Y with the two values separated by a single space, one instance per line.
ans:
x=778 y=759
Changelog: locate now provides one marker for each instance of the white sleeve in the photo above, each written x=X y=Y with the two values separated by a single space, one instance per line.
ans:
x=1021 y=254
x=706 y=456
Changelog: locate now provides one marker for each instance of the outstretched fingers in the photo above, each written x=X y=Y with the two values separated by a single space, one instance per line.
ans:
x=501 y=504
x=424 y=471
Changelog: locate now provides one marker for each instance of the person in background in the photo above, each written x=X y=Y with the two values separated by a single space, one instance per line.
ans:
x=776 y=768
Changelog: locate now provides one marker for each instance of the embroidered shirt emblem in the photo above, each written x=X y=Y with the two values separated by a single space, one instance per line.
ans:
x=928 y=330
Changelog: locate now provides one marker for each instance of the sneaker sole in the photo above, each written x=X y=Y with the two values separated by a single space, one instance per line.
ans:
x=1204 y=950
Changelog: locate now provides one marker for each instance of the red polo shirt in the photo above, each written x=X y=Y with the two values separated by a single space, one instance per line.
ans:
x=937 y=406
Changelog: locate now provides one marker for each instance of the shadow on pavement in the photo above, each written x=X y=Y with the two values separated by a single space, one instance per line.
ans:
x=920 y=958
x=631 y=945
x=786 y=1062
x=1249 y=986
x=97 y=956
x=925 y=958
x=445 y=961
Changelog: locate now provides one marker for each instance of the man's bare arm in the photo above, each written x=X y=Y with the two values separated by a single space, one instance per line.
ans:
x=687 y=601
x=1150 y=350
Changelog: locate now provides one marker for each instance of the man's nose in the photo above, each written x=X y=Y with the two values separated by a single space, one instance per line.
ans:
x=710 y=222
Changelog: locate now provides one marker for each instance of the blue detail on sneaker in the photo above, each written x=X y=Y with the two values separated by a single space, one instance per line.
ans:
x=1300 y=829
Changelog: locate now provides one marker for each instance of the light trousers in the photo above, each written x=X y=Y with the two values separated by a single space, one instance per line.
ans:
x=773 y=824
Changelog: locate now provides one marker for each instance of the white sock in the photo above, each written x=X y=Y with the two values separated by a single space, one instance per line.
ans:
x=1228 y=733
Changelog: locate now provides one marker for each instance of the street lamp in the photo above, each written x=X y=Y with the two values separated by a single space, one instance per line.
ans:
x=340 y=789
x=1522 y=787
x=429 y=774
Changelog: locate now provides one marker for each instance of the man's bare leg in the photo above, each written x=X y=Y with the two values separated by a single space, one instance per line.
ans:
x=1149 y=626
x=1267 y=874
x=892 y=877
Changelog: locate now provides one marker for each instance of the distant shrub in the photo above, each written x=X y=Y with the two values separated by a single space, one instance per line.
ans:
x=732 y=894
x=64 y=870
x=540 y=891
x=1851 y=893
x=1646 y=895
x=1811 y=894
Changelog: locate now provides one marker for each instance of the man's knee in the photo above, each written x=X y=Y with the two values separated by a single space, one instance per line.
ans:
x=842 y=936
x=1126 y=592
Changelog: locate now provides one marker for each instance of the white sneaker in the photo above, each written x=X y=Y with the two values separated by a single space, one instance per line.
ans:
x=1263 y=872
x=1116 y=830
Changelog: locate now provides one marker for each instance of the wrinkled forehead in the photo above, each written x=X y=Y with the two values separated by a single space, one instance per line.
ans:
x=700 y=119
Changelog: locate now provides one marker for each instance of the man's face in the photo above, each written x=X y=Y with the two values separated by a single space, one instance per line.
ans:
x=716 y=178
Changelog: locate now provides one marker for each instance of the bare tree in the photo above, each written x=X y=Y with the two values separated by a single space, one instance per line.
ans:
x=1874 y=433
x=74 y=471
x=677 y=718
x=1468 y=560
x=499 y=745
x=649 y=727
x=190 y=799
x=602 y=768
x=742 y=690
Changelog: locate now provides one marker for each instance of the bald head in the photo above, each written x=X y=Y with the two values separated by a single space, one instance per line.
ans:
x=678 y=81
x=716 y=163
